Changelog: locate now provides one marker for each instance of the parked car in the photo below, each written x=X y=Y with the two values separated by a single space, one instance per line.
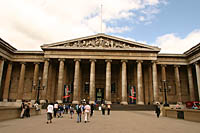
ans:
x=193 y=104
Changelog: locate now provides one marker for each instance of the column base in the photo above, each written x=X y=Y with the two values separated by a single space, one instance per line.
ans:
x=33 y=101
x=156 y=102
x=91 y=102
x=18 y=100
x=5 y=100
x=109 y=102
x=59 y=101
x=124 y=103
x=42 y=101
x=140 y=103
x=75 y=102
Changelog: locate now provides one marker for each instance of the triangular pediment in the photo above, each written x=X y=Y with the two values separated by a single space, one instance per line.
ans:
x=100 y=41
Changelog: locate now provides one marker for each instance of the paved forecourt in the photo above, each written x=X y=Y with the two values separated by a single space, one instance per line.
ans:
x=117 y=122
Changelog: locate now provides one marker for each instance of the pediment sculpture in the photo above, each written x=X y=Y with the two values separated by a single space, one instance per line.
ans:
x=98 y=43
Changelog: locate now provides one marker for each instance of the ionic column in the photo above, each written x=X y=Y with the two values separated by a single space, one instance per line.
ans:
x=124 y=83
x=198 y=77
x=178 y=84
x=35 y=79
x=76 y=81
x=191 y=84
x=20 y=90
x=45 y=79
x=7 y=82
x=108 y=82
x=92 y=82
x=60 y=80
x=1 y=72
x=163 y=68
x=155 y=82
x=140 y=86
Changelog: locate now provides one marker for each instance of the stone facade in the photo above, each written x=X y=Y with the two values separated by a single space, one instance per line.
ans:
x=97 y=68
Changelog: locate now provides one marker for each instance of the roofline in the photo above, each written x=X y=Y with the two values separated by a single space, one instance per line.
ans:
x=104 y=35
x=193 y=49
x=7 y=45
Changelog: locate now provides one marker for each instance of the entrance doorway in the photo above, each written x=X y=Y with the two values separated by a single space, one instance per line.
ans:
x=99 y=95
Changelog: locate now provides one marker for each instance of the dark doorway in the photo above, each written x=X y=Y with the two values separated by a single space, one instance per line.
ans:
x=99 y=95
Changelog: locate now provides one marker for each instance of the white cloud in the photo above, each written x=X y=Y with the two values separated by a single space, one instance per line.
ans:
x=29 y=24
x=171 y=43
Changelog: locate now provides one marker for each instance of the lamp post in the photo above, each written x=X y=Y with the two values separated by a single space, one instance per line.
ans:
x=164 y=88
x=38 y=90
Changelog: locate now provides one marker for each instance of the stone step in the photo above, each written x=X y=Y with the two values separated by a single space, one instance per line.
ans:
x=132 y=107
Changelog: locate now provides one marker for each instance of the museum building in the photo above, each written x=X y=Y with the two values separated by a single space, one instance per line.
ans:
x=99 y=68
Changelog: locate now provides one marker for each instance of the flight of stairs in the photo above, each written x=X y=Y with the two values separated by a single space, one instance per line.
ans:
x=132 y=107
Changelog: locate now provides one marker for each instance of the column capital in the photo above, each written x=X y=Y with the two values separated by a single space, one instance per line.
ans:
x=23 y=63
x=93 y=60
x=177 y=66
x=154 y=61
x=139 y=61
x=108 y=60
x=163 y=65
x=77 y=60
x=2 y=58
x=61 y=59
x=188 y=66
x=124 y=60
x=46 y=59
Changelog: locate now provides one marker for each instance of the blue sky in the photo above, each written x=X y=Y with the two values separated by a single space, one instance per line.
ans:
x=177 y=16
x=172 y=25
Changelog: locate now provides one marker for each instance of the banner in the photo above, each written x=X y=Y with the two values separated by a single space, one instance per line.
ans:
x=66 y=93
x=132 y=94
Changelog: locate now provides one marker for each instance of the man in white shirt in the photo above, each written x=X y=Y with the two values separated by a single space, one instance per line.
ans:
x=49 y=113
x=87 y=112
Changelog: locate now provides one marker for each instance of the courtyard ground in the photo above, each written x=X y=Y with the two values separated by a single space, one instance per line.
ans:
x=117 y=122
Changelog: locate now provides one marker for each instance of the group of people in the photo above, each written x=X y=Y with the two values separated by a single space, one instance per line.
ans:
x=81 y=109
x=25 y=109
x=104 y=107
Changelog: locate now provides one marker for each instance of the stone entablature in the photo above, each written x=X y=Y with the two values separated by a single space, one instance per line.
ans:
x=172 y=59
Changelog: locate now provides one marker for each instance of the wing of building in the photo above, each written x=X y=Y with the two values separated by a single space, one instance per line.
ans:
x=98 y=68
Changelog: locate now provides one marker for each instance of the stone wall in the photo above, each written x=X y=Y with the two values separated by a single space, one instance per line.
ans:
x=7 y=113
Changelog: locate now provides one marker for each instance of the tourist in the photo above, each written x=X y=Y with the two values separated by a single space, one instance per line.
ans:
x=92 y=110
x=157 y=110
x=55 y=109
x=108 y=108
x=103 y=107
x=22 y=109
x=79 y=113
x=36 y=105
x=71 y=111
x=87 y=112
x=60 y=111
x=50 y=109
x=27 y=110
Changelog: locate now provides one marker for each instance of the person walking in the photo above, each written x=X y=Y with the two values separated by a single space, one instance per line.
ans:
x=92 y=110
x=108 y=108
x=157 y=110
x=22 y=109
x=103 y=107
x=71 y=111
x=55 y=109
x=50 y=109
x=79 y=113
x=87 y=112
